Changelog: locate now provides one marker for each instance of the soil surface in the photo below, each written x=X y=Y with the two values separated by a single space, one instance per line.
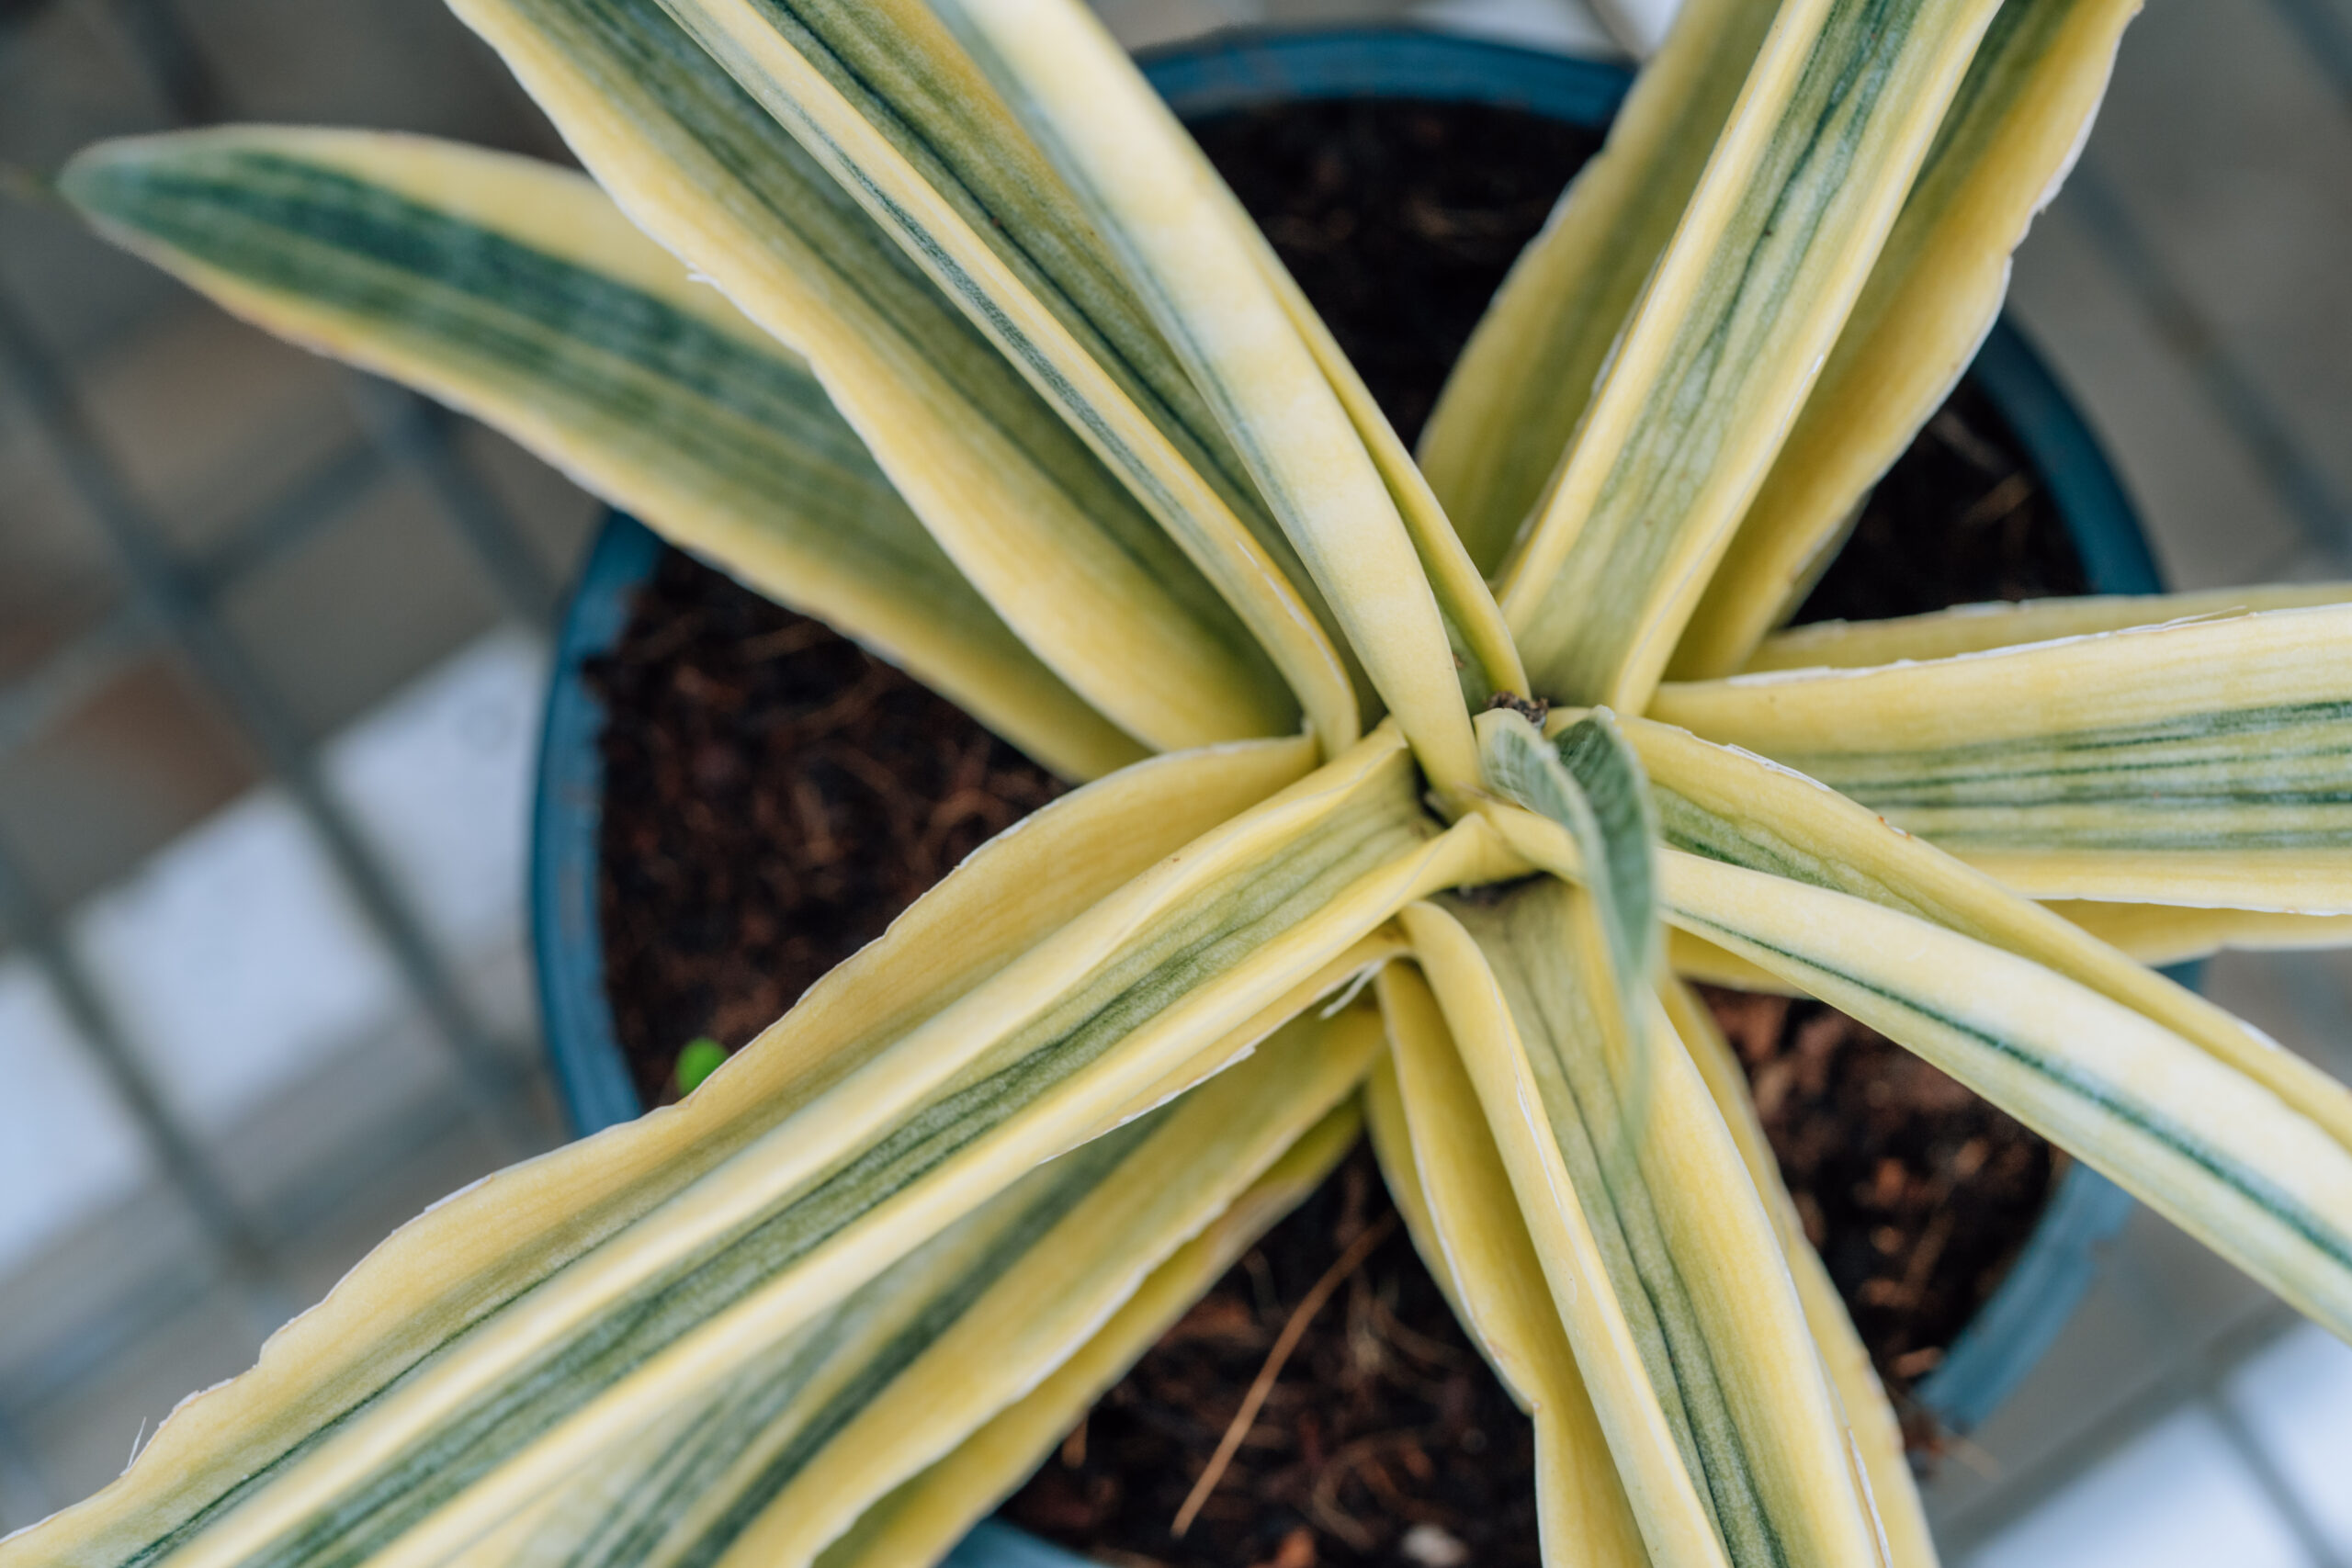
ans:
x=1385 y=1431
x=1960 y=519
x=1398 y=219
x=1915 y=1191
x=775 y=796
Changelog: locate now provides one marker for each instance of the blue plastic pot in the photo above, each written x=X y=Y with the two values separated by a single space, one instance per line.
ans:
x=2014 y=1328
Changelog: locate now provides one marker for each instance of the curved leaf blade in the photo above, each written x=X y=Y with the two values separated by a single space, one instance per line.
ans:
x=513 y=1335
x=517 y=292
x=2161 y=934
x=1729 y=335
x=1486 y=656
x=2209 y=762
x=1049 y=536
x=1738 y=809
x=1660 y=1257
x=788 y=1451
x=2209 y=1147
x=1186 y=247
x=1587 y=779
x=1441 y=1162
x=1513 y=399
x=1981 y=629
x=2008 y=138
x=921 y=1521
x=1877 y=1433
x=880 y=95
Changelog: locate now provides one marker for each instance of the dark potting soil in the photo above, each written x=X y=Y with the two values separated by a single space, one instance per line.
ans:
x=775 y=796
x=1915 y=1191
x=1384 y=1423
x=1991 y=531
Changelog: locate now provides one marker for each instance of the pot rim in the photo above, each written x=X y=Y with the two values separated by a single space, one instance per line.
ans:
x=1235 y=70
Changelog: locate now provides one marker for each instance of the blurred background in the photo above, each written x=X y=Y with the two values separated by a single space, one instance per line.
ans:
x=272 y=643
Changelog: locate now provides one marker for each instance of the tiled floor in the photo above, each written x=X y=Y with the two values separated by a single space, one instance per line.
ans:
x=270 y=664
x=270 y=647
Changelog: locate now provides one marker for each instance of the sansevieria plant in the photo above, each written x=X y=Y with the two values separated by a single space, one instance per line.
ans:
x=929 y=321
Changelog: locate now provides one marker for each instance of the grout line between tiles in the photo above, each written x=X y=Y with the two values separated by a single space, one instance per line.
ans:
x=220 y=1217
x=291 y=1220
x=45 y=695
x=2208 y=1371
x=416 y=432
x=54 y=688
x=2275 y=1488
x=407 y=427
x=311 y=502
x=165 y=595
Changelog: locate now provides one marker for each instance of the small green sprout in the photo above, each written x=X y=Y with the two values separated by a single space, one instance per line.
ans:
x=702 y=1058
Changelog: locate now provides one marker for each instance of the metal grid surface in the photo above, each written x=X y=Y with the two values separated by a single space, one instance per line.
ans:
x=152 y=603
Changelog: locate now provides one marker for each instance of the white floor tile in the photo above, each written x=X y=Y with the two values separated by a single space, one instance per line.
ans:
x=67 y=1148
x=2296 y=1399
x=2177 y=1495
x=235 y=958
x=1563 y=27
x=440 y=779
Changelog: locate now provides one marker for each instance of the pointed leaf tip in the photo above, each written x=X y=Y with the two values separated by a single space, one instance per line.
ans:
x=1588 y=780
